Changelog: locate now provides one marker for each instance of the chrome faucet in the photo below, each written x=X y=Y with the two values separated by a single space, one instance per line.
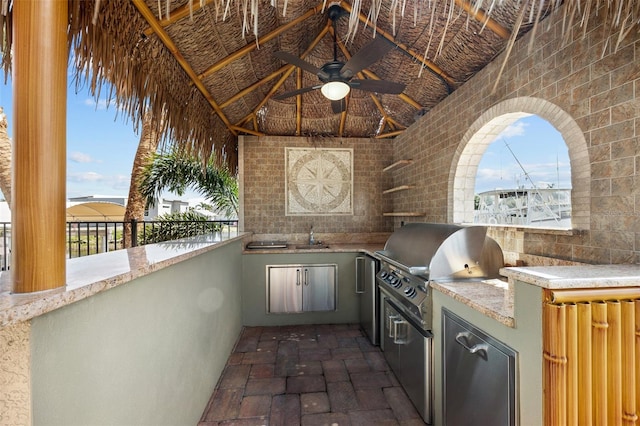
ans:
x=312 y=240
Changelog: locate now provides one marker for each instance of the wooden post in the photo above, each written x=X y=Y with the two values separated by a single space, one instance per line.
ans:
x=39 y=147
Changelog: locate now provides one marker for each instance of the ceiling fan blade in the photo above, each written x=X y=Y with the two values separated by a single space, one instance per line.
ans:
x=339 y=106
x=297 y=92
x=366 y=56
x=300 y=63
x=379 y=86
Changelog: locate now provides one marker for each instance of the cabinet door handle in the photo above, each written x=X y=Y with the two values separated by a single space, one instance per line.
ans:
x=298 y=276
x=399 y=332
x=306 y=276
x=391 y=319
x=463 y=340
x=359 y=278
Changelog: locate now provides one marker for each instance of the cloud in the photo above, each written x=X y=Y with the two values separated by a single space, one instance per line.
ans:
x=515 y=129
x=85 y=177
x=80 y=157
x=100 y=104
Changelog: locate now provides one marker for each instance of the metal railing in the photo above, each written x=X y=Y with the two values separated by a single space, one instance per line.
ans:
x=87 y=238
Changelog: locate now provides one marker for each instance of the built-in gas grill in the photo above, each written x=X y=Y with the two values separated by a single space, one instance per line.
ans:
x=414 y=255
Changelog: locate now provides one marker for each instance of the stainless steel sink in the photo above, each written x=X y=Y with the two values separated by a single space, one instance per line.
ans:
x=311 y=246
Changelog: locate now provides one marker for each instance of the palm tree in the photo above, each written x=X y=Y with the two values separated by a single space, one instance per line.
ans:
x=149 y=139
x=175 y=172
x=5 y=159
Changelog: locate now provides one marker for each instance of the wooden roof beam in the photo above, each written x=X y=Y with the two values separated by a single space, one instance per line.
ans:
x=286 y=75
x=424 y=61
x=264 y=39
x=481 y=16
x=169 y=44
x=374 y=98
x=179 y=13
x=389 y=134
x=253 y=87
x=299 y=103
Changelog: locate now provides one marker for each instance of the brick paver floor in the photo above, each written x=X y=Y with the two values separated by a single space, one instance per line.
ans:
x=308 y=375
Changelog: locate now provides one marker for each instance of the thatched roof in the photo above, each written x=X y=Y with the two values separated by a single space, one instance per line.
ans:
x=207 y=66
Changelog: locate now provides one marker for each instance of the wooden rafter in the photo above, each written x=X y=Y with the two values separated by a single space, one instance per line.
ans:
x=389 y=134
x=169 y=44
x=253 y=87
x=286 y=75
x=424 y=61
x=374 y=98
x=343 y=119
x=249 y=131
x=179 y=13
x=405 y=98
x=262 y=40
x=484 y=19
x=299 y=103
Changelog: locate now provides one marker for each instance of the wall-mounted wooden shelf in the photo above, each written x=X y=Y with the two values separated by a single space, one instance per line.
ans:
x=397 y=188
x=397 y=164
x=406 y=214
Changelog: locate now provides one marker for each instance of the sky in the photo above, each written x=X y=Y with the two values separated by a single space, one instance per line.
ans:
x=540 y=157
x=101 y=146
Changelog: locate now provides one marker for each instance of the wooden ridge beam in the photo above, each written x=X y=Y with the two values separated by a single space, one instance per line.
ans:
x=482 y=17
x=178 y=14
x=169 y=44
x=264 y=39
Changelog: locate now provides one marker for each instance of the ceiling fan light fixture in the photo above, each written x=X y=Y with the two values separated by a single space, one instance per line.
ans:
x=335 y=90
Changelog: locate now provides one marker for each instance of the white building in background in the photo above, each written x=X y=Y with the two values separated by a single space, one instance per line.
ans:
x=163 y=206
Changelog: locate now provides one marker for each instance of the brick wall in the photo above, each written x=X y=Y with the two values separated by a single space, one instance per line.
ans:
x=262 y=168
x=572 y=85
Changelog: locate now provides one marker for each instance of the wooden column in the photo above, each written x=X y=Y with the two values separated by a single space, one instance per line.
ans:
x=39 y=144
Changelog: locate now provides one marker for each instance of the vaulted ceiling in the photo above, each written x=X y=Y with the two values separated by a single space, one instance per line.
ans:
x=208 y=69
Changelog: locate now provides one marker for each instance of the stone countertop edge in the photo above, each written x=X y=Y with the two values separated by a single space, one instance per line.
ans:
x=571 y=277
x=493 y=298
x=367 y=248
x=89 y=275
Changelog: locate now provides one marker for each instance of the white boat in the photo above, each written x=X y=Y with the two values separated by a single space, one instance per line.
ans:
x=543 y=208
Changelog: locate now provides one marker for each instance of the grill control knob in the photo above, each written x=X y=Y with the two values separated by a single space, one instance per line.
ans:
x=394 y=281
x=410 y=291
x=383 y=274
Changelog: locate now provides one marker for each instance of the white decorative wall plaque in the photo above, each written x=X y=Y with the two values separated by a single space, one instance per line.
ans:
x=319 y=181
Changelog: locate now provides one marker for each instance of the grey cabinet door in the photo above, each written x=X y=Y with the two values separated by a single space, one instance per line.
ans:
x=319 y=290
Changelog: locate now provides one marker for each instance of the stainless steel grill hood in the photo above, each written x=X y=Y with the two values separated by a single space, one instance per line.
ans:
x=436 y=251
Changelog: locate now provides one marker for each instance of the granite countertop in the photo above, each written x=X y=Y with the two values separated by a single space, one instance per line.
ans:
x=583 y=276
x=292 y=248
x=90 y=275
x=493 y=298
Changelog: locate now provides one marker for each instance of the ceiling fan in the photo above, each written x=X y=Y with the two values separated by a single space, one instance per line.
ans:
x=337 y=77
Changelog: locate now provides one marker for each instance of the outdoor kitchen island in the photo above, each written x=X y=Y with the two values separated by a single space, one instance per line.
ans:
x=545 y=314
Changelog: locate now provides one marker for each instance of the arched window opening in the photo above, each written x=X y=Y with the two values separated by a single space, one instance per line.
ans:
x=483 y=131
x=524 y=176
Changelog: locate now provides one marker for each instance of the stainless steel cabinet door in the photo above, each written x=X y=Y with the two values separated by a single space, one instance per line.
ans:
x=479 y=376
x=319 y=288
x=301 y=288
x=284 y=289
